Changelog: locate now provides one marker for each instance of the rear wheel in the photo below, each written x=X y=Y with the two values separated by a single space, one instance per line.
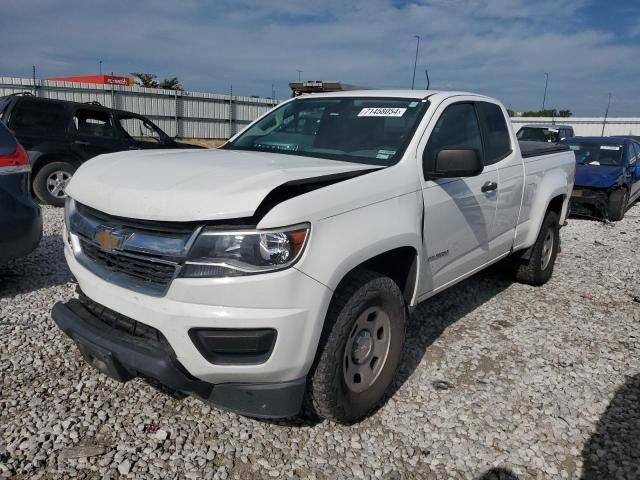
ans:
x=50 y=182
x=360 y=348
x=537 y=269
x=618 y=200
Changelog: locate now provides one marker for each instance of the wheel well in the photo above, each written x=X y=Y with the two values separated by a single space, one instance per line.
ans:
x=399 y=264
x=42 y=160
x=555 y=205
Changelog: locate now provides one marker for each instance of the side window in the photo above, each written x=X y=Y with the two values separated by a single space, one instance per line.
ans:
x=139 y=129
x=37 y=117
x=457 y=127
x=95 y=123
x=497 y=139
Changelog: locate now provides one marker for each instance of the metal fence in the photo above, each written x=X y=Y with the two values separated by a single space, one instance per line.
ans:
x=179 y=114
x=589 y=126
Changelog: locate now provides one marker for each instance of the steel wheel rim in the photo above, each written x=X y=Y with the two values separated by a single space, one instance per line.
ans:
x=547 y=249
x=57 y=181
x=367 y=349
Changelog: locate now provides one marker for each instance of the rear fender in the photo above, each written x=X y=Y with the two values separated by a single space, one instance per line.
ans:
x=551 y=184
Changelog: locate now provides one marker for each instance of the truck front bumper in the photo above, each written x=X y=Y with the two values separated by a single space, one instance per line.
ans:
x=288 y=305
x=123 y=356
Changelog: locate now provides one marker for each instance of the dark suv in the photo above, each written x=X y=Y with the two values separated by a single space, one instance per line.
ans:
x=59 y=136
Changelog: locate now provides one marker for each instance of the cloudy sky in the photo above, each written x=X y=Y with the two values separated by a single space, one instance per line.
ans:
x=497 y=47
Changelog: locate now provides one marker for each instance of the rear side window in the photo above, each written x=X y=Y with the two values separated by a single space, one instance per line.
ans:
x=7 y=141
x=457 y=127
x=497 y=139
x=38 y=117
x=94 y=123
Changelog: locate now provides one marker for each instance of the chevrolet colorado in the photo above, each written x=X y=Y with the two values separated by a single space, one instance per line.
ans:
x=283 y=266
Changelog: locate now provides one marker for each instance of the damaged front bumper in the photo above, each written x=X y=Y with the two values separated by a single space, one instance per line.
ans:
x=588 y=202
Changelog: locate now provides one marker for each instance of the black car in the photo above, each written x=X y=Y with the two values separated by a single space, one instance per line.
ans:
x=59 y=136
x=20 y=219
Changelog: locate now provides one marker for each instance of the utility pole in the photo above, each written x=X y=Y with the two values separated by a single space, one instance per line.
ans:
x=546 y=84
x=426 y=72
x=35 y=88
x=100 y=67
x=606 y=114
x=299 y=74
x=415 y=62
x=230 y=110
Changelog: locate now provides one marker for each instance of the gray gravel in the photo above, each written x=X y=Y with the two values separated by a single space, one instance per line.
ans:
x=500 y=381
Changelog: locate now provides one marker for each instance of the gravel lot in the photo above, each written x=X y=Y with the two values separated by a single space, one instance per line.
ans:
x=500 y=380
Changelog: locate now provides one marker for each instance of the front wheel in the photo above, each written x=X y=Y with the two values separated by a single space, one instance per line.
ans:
x=50 y=182
x=537 y=269
x=360 y=348
x=617 y=204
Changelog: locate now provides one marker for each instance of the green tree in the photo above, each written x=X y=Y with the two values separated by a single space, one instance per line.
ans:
x=150 y=80
x=145 y=79
x=171 y=84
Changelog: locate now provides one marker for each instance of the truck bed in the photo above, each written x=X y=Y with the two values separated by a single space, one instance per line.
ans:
x=534 y=149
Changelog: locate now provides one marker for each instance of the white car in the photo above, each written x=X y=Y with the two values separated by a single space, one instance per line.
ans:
x=285 y=264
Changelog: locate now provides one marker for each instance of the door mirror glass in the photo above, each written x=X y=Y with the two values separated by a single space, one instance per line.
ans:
x=451 y=162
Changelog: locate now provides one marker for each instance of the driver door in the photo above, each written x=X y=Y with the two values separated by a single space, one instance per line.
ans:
x=458 y=212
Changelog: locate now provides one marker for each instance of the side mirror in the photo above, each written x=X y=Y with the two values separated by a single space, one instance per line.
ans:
x=454 y=162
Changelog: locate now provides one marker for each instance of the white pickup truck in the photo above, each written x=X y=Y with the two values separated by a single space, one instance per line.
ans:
x=283 y=266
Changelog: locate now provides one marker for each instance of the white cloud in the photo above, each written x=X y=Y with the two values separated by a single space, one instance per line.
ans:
x=498 y=47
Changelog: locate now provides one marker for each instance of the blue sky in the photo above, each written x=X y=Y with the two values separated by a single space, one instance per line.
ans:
x=497 y=47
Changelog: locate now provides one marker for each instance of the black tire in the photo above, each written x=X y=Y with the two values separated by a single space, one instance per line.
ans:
x=41 y=181
x=534 y=270
x=618 y=200
x=360 y=295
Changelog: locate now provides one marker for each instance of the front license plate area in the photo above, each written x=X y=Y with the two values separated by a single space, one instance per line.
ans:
x=102 y=360
x=576 y=193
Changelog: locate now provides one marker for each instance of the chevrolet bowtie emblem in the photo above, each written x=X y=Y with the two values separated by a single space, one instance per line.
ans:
x=109 y=239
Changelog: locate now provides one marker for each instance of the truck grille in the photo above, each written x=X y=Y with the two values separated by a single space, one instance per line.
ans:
x=149 y=270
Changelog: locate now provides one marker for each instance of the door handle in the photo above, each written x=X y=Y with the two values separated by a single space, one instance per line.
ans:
x=79 y=142
x=489 y=187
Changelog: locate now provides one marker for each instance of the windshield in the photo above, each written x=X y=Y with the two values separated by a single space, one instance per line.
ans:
x=370 y=130
x=594 y=154
x=538 y=134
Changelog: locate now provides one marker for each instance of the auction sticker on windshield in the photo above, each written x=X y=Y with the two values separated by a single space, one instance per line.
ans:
x=609 y=147
x=382 y=112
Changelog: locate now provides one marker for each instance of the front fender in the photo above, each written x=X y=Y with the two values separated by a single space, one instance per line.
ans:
x=340 y=243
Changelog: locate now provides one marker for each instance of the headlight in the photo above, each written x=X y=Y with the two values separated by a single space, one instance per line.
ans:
x=245 y=252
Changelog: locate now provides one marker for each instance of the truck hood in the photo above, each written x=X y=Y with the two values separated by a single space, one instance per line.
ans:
x=191 y=185
x=597 y=176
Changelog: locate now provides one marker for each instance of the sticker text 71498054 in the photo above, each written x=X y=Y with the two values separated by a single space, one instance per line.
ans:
x=382 y=112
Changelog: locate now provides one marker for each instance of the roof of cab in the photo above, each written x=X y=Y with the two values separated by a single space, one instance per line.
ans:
x=417 y=94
